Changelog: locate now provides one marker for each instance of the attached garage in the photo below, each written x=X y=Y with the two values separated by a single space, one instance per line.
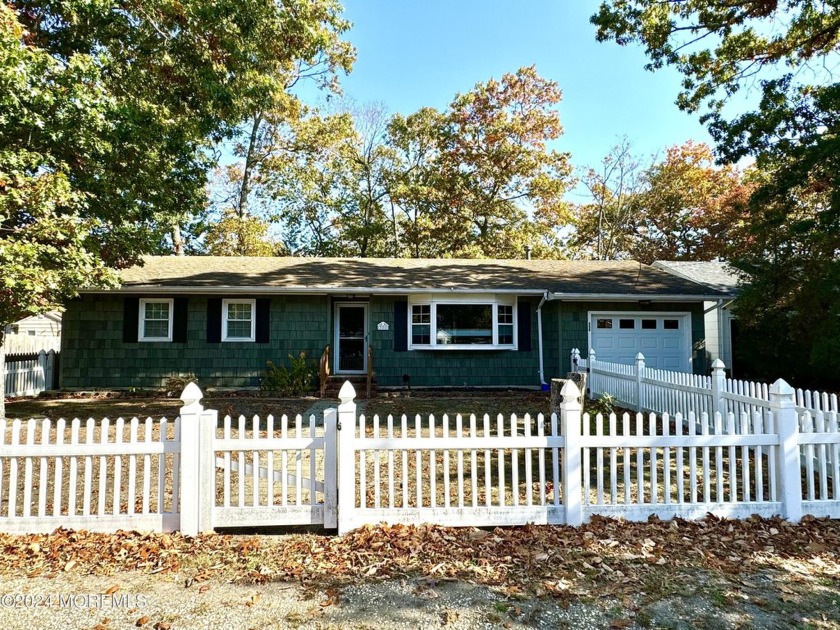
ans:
x=663 y=338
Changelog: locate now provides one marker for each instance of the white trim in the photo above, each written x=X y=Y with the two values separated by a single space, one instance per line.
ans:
x=433 y=300
x=338 y=290
x=336 y=326
x=141 y=319
x=229 y=302
x=684 y=315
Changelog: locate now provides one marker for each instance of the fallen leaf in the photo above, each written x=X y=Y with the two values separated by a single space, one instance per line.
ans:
x=142 y=621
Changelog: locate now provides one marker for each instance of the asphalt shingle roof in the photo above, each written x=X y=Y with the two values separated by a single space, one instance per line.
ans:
x=713 y=273
x=569 y=277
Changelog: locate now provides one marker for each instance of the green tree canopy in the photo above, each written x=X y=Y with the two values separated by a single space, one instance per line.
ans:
x=791 y=257
x=108 y=115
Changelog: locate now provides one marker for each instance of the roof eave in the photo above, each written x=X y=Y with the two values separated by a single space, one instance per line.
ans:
x=633 y=297
x=326 y=290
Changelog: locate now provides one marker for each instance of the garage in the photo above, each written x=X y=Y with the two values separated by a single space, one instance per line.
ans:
x=663 y=338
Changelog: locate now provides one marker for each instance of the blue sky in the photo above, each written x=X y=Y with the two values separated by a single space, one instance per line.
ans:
x=420 y=53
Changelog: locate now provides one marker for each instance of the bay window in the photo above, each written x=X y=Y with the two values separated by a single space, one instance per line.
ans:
x=462 y=324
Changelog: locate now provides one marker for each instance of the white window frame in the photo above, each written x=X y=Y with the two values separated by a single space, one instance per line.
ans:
x=479 y=300
x=225 y=304
x=141 y=319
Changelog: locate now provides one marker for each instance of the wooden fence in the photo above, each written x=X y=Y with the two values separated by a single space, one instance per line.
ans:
x=14 y=344
x=195 y=474
x=30 y=374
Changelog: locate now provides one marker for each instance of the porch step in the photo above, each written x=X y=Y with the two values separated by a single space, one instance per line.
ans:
x=359 y=382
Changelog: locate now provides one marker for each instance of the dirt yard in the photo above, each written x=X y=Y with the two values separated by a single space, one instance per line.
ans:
x=708 y=574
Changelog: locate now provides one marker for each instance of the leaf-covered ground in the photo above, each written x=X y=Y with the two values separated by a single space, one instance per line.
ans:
x=753 y=569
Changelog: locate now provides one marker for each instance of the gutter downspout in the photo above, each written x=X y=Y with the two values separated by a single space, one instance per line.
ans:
x=540 y=337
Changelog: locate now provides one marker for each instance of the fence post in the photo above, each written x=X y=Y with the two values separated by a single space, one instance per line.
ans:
x=346 y=457
x=789 y=468
x=41 y=377
x=718 y=387
x=330 y=469
x=590 y=367
x=640 y=372
x=198 y=463
x=574 y=360
x=570 y=419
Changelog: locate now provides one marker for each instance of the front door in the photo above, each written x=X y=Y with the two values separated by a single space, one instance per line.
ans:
x=351 y=334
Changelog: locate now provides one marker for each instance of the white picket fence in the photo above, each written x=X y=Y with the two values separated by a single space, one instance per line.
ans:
x=30 y=344
x=29 y=375
x=195 y=475
x=662 y=391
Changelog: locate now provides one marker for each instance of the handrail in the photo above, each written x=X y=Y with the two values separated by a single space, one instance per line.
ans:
x=369 y=369
x=324 y=369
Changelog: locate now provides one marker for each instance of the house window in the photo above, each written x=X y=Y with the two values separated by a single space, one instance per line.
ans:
x=238 y=321
x=603 y=323
x=505 y=324
x=462 y=324
x=671 y=324
x=155 y=320
x=421 y=324
x=627 y=323
x=648 y=324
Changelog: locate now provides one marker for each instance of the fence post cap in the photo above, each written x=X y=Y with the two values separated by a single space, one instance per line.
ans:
x=347 y=393
x=717 y=364
x=640 y=357
x=781 y=388
x=191 y=395
x=592 y=351
x=570 y=392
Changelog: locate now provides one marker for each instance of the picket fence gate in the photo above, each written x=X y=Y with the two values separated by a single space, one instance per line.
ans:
x=195 y=474
x=30 y=374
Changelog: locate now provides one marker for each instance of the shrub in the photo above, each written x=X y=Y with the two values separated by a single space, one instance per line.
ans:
x=605 y=405
x=174 y=385
x=292 y=381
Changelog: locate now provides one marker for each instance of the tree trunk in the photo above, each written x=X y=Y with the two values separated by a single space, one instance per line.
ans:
x=2 y=372
x=250 y=161
x=177 y=241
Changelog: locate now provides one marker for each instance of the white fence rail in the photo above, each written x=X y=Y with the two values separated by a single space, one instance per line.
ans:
x=99 y=475
x=663 y=391
x=29 y=375
x=30 y=344
x=195 y=475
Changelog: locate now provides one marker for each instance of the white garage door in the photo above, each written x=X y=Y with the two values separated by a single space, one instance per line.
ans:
x=664 y=339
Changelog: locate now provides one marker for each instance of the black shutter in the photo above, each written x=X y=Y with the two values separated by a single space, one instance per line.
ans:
x=401 y=326
x=131 y=313
x=524 y=326
x=214 y=320
x=179 y=324
x=263 y=320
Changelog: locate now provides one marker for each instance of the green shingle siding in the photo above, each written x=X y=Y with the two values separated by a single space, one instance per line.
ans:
x=94 y=355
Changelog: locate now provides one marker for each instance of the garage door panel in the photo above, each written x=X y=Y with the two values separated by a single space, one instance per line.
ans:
x=663 y=348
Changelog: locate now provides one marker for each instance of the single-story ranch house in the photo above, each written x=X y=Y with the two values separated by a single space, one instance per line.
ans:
x=432 y=323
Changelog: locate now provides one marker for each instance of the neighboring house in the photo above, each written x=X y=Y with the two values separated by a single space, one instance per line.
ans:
x=427 y=322
x=47 y=324
x=718 y=317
